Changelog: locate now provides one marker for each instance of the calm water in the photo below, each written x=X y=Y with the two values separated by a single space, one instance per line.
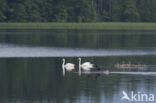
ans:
x=30 y=65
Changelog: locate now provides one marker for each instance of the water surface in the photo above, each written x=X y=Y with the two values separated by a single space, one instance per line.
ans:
x=30 y=65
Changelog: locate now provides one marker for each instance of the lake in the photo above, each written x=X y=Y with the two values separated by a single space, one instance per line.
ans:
x=31 y=66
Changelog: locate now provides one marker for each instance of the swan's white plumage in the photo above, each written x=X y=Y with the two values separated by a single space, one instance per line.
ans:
x=68 y=66
x=86 y=65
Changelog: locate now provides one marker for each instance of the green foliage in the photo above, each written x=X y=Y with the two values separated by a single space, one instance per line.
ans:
x=130 y=11
x=104 y=16
x=32 y=11
x=2 y=16
x=17 y=12
x=61 y=15
x=117 y=11
x=146 y=9
x=3 y=8
x=77 y=10
x=84 y=11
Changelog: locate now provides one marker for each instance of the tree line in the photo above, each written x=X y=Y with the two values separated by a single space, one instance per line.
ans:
x=77 y=11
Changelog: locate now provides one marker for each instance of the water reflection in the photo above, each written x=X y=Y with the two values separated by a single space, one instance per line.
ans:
x=77 y=38
x=41 y=80
x=25 y=79
x=107 y=72
x=129 y=65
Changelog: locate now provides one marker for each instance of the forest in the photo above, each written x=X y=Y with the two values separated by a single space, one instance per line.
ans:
x=77 y=11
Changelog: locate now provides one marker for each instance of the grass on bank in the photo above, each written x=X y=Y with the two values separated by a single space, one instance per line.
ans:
x=98 y=26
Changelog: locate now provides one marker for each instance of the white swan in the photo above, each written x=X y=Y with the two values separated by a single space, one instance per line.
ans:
x=67 y=66
x=85 y=66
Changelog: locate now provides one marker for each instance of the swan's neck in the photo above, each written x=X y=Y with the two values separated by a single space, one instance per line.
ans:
x=79 y=63
x=79 y=67
x=63 y=69
x=63 y=64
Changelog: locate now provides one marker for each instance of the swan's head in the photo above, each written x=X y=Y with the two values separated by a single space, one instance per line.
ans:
x=79 y=59
x=63 y=60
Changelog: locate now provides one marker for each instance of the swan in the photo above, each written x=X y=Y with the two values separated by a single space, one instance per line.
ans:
x=85 y=66
x=67 y=66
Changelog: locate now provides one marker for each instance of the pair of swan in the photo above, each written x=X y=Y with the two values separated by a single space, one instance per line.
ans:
x=70 y=66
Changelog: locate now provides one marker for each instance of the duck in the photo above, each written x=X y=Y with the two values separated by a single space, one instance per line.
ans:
x=87 y=66
x=67 y=66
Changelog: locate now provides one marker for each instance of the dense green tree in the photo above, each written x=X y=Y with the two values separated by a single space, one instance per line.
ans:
x=17 y=12
x=3 y=8
x=77 y=10
x=117 y=10
x=146 y=9
x=130 y=11
x=104 y=16
x=84 y=12
x=32 y=10
x=61 y=14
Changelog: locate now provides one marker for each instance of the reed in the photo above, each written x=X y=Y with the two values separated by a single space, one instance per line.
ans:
x=96 y=26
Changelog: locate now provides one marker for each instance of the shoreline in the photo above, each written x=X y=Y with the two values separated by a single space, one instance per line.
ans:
x=89 y=26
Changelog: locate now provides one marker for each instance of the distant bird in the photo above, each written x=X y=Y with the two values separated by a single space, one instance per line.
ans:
x=85 y=66
x=67 y=66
